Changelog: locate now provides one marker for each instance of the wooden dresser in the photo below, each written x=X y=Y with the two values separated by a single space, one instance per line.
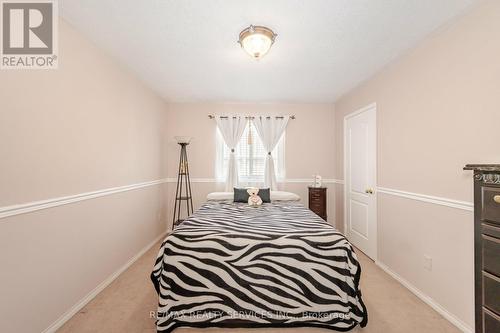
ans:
x=317 y=201
x=486 y=246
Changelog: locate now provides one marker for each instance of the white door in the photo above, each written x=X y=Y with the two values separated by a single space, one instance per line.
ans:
x=360 y=139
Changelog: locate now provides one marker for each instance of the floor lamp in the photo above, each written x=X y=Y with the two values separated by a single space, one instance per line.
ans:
x=183 y=192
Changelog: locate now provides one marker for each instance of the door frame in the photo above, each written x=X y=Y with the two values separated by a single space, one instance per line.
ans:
x=372 y=106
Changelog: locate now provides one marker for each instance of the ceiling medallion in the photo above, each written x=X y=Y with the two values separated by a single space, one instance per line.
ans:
x=257 y=40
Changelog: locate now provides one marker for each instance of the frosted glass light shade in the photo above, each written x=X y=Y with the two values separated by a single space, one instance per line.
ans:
x=257 y=40
x=182 y=139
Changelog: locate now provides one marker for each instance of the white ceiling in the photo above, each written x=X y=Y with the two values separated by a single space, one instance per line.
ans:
x=186 y=50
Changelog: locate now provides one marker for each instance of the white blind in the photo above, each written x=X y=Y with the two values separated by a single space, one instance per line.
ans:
x=251 y=156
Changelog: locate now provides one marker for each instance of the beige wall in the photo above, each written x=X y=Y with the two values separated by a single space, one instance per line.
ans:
x=86 y=126
x=309 y=143
x=438 y=108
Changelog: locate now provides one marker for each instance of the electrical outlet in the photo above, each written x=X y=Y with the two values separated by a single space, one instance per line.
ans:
x=427 y=263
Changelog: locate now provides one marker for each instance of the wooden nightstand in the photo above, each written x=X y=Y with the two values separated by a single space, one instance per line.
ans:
x=317 y=201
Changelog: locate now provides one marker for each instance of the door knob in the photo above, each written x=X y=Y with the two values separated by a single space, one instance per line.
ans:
x=369 y=191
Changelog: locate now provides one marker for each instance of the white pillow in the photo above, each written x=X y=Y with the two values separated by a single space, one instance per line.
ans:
x=284 y=196
x=275 y=196
x=220 y=196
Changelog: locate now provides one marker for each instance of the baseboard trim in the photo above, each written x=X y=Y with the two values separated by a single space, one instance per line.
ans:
x=426 y=299
x=464 y=205
x=78 y=306
x=55 y=202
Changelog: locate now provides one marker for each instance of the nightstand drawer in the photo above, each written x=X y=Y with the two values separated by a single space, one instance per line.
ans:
x=491 y=255
x=491 y=322
x=490 y=230
x=317 y=194
x=490 y=210
x=316 y=199
x=491 y=292
x=317 y=207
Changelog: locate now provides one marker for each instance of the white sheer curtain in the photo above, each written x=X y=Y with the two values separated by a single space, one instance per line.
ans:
x=231 y=128
x=270 y=130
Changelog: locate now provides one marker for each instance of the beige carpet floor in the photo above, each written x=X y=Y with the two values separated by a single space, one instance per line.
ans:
x=125 y=305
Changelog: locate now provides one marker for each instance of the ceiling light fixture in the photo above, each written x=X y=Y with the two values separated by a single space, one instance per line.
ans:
x=256 y=40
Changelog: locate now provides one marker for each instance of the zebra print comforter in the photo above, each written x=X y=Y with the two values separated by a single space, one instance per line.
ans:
x=232 y=265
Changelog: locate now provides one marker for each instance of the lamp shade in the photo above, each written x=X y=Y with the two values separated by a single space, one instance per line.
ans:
x=182 y=139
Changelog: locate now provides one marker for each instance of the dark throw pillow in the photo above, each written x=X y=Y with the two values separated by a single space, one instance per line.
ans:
x=241 y=195
x=265 y=194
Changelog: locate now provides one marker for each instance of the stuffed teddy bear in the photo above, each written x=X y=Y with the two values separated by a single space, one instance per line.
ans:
x=254 y=200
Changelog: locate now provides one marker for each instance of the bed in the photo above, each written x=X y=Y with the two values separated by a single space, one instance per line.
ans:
x=277 y=265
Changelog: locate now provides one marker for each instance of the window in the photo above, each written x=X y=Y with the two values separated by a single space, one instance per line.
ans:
x=251 y=157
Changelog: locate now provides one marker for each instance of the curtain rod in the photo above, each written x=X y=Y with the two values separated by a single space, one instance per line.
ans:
x=211 y=116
